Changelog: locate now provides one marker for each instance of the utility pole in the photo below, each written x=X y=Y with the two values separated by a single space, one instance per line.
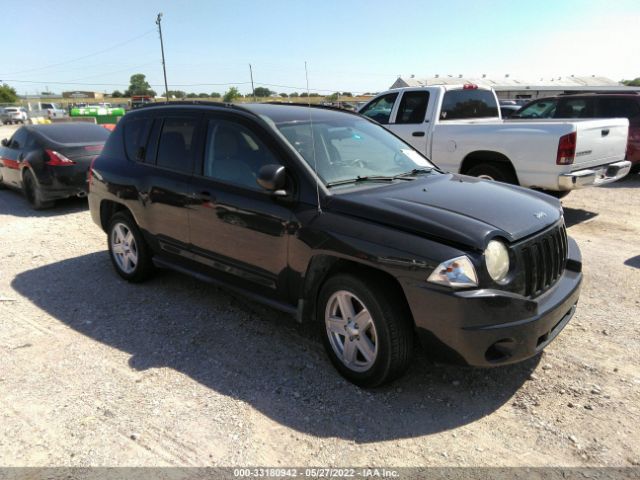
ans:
x=164 y=68
x=253 y=90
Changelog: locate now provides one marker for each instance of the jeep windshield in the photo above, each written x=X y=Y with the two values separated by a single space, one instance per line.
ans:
x=346 y=149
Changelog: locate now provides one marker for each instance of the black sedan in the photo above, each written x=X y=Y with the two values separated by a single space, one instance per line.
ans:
x=50 y=162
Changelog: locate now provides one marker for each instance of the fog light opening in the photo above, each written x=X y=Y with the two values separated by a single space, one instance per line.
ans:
x=500 y=350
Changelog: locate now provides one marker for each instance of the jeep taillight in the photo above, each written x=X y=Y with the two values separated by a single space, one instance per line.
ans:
x=566 y=149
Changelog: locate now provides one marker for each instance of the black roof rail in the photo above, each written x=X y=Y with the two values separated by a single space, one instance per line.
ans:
x=307 y=105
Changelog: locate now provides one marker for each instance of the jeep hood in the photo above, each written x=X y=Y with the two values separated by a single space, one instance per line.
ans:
x=452 y=208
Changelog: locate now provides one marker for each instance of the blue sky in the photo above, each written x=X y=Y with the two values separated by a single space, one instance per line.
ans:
x=350 y=45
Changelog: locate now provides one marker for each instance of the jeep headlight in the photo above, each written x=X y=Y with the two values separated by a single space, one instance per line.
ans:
x=496 y=257
x=457 y=272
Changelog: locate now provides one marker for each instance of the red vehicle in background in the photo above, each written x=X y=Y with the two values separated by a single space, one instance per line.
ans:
x=139 y=100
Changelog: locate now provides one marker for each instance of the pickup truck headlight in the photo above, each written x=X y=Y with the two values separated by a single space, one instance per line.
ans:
x=496 y=257
x=457 y=272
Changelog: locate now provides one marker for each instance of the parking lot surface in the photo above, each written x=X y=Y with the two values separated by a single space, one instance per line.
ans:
x=95 y=371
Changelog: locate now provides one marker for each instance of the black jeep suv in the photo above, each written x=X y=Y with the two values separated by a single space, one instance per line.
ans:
x=328 y=216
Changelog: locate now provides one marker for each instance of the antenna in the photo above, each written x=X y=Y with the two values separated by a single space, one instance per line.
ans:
x=253 y=90
x=313 y=140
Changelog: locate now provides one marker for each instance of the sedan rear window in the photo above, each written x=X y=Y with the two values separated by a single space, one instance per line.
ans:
x=74 y=133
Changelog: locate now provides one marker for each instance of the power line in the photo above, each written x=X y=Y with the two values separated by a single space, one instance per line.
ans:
x=85 y=56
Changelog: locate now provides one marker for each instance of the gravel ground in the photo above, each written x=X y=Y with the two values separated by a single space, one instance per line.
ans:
x=94 y=371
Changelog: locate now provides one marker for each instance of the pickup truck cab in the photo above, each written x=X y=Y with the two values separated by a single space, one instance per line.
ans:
x=326 y=215
x=461 y=130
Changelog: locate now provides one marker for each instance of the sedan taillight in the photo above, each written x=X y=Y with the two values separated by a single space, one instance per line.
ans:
x=56 y=159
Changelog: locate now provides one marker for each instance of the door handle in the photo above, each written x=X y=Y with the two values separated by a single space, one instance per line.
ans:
x=605 y=132
x=418 y=134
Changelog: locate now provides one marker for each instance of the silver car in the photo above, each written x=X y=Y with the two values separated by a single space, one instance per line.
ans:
x=13 y=115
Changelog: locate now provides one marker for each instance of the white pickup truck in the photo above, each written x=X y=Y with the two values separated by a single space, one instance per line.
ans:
x=460 y=129
x=46 y=110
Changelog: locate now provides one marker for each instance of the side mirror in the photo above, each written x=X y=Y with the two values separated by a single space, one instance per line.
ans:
x=273 y=178
x=5 y=142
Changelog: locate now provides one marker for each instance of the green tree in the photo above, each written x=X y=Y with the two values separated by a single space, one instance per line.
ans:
x=203 y=95
x=175 y=94
x=262 y=92
x=284 y=95
x=138 y=85
x=215 y=95
x=347 y=94
x=314 y=94
x=7 y=94
x=632 y=83
x=333 y=97
x=192 y=95
x=117 y=94
x=293 y=95
x=304 y=95
x=231 y=94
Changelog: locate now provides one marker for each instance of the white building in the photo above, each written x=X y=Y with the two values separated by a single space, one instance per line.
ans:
x=508 y=87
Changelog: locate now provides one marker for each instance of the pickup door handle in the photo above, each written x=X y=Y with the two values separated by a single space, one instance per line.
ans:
x=418 y=134
x=605 y=132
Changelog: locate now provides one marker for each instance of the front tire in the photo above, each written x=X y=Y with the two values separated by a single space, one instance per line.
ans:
x=33 y=193
x=366 y=332
x=493 y=171
x=129 y=253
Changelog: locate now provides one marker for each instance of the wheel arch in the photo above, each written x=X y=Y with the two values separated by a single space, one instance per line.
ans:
x=108 y=208
x=487 y=156
x=321 y=267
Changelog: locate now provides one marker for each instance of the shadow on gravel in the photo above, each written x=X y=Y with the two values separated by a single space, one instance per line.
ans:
x=633 y=261
x=13 y=202
x=574 y=216
x=259 y=356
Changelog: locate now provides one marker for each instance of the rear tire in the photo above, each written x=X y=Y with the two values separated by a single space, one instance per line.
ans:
x=129 y=253
x=497 y=171
x=33 y=193
x=371 y=342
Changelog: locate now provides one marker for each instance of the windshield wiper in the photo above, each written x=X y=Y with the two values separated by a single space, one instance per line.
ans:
x=414 y=172
x=366 y=178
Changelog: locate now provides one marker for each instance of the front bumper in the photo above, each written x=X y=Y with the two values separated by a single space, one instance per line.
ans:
x=486 y=328
x=594 y=176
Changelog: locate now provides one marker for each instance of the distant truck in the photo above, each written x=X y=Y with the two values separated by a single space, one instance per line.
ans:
x=459 y=127
x=46 y=110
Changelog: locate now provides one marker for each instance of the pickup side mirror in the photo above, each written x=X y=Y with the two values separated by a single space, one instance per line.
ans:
x=273 y=178
x=5 y=142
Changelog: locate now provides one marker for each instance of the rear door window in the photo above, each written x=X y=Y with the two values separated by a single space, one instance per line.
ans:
x=177 y=144
x=19 y=139
x=465 y=104
x=380 y=109
x=413 y=107
x=618 y=107
x=575 y=108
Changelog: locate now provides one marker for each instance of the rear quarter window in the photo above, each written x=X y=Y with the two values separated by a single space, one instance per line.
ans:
x=466 y=104
x=136 y=133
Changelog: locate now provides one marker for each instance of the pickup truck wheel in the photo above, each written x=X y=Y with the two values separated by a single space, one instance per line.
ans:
x=33 y=193
x=366 y=332
x=130 y=254
x=493 y=171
